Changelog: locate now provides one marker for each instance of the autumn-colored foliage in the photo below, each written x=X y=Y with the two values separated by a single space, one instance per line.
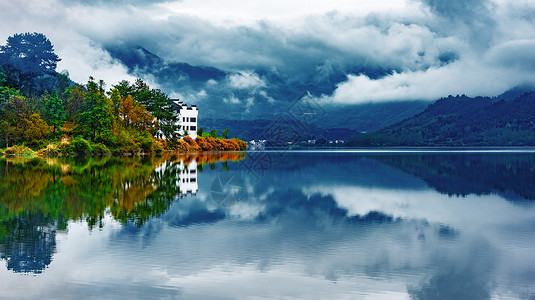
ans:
x=187 y=144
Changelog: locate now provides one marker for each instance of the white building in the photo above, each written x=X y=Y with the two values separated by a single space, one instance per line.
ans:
x=188 y=178
x=187 y=118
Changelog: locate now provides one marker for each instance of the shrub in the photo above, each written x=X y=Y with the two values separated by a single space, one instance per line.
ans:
x=191 y=145
x=19 y=150
x=80 y=147
x=205 y=146
x=100 y=149
x=51 y=150
x=241 y=144
x=65 y=148
x=156 y=147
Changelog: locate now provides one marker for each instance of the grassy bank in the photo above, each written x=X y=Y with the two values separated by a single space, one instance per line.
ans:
x=82 y=147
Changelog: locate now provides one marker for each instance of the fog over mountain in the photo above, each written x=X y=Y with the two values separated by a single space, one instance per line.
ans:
x=243 y=60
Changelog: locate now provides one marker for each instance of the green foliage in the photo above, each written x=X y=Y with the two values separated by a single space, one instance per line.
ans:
x=156 y=147
x=51 y=150
x=213 y=133
x=200 y=131
x=55 y=112
x=19 y=150
x=225 y=134
x=461 y=121
x=80 y=147
x=157 y=104
x=96 y=118
x=99 y=149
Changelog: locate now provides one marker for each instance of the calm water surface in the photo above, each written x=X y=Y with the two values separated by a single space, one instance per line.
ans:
x=262 y=225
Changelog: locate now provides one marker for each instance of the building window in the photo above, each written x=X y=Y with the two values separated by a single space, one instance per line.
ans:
x=193 y=127
x=193 y=180
x=183 y=119
x=193 y=119
x=187 y=119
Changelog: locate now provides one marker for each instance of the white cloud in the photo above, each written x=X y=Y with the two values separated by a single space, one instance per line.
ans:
x=306 y=42
x=232 y=99
x=489 y=75
x=232 y=12
x=245 y=80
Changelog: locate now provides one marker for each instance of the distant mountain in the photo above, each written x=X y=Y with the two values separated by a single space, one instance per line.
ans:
x=140 y=61
x=462 y=121
x=249 y=112
x=336 y=123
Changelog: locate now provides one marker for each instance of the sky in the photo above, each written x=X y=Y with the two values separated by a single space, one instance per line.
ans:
x=348 y=51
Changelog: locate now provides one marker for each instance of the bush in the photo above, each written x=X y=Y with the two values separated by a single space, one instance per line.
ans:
x=65 y=148
x=100 y=149
x=51 y=150
x=241 y=144
x=205 y=146
x=80 y=147
x=19 y=150
x=156 y=147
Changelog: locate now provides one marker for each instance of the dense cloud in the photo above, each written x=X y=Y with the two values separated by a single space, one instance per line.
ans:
x=343 y=53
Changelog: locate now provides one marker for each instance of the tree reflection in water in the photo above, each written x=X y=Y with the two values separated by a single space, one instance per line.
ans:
x=39 y=196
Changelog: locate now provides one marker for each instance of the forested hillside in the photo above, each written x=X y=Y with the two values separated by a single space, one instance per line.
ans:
x=462 y=121
x=41 y=109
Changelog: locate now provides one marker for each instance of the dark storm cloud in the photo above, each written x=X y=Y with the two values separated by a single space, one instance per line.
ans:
x=420 y=50
x=459 y=9
x=475 y=15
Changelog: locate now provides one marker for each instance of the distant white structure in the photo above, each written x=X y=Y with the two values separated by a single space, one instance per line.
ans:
x=187 y=118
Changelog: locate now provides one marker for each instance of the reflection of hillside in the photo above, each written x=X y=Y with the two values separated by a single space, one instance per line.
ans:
x=29 y=244
x=57 y=190
x=507 y=174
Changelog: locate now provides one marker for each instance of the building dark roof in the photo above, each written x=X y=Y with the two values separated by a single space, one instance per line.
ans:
x=176 y=105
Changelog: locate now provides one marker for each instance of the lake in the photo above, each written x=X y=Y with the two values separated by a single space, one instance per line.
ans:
x=270 y=225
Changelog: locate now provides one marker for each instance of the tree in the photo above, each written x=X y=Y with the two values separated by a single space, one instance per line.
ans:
x=200 y=131
x=96 y=117
x=55 y=113
x=157 y=104
x=35 y=130
x=31 y=55
x=213 y=133
x=225 y=134
x=74 y=102
x=135 y=115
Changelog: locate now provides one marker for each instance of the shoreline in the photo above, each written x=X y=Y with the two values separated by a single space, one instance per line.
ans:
x=371 y=150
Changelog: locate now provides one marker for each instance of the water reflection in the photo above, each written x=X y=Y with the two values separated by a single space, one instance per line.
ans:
x=39 y=196
x=311 y=225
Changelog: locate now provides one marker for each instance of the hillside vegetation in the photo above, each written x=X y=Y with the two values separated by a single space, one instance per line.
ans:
x=462 y=121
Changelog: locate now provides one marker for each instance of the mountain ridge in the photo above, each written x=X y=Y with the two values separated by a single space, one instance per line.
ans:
x=462 y=121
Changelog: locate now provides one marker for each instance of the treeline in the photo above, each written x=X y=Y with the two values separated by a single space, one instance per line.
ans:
x=43 y=109
x=462 y=121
